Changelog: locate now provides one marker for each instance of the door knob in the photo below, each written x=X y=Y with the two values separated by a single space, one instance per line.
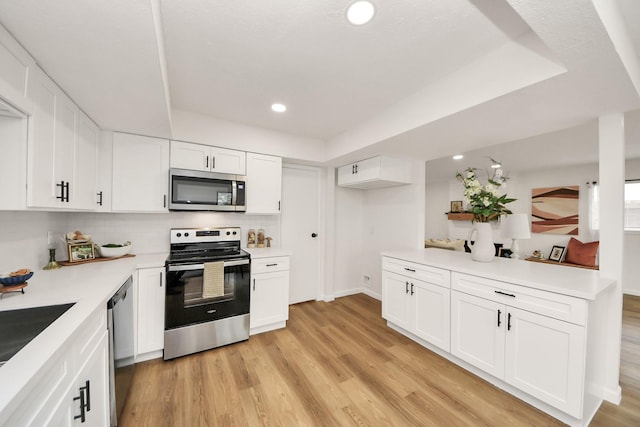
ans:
x=314 y=234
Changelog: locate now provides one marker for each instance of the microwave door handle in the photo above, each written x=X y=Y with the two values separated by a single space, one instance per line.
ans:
x=234 y=193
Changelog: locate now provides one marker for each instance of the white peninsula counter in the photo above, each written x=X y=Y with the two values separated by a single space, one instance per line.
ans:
x=38 y=384
x=534 y=330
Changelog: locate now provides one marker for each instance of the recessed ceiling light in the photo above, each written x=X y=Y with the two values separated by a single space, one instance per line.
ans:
x=279 y=108
x=360 y=12
x=458 y=157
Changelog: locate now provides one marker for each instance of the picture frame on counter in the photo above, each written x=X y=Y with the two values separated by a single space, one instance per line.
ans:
x=80 y=252
x=556 y=253
x=456 y=206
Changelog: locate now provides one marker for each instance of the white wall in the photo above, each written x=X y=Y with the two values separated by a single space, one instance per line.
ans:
x=193 y=127
x=437 y=202
x=368 y=222
x=347 y=241
x=23 y=239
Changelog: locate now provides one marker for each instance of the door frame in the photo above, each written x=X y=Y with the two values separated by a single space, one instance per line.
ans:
x=319 y=173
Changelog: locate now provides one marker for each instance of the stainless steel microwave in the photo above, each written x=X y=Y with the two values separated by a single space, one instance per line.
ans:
x=191 y=190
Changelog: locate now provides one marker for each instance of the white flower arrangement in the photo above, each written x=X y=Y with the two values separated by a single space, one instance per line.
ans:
x=487 y=203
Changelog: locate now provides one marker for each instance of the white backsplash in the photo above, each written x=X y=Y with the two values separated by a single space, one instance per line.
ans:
x=23 y=235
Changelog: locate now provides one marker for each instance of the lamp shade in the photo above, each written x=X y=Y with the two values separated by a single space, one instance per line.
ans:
x=517 y=226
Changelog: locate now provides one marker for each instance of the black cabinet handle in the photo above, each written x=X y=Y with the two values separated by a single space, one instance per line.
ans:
x=213 y=162
x=164 y=201
x=161 y=279
x=410 y=269
x=278 y=205
x=207 y=163
x=314 y=234
x=356 y=168
x=254 y=284
x=504 y=293
x=271 y=265
x=64 y=191
x=353 y=169
x=509 y=322
x=412 y=289
x=406 y=287
x=499 y=322
x=85 y=401
x=99 y=194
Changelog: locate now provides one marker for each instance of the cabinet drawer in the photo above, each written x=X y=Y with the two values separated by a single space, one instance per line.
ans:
x=267 y=265
x=549 y=304
x=433 y=275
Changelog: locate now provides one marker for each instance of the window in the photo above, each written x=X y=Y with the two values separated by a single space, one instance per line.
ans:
x=632 y=205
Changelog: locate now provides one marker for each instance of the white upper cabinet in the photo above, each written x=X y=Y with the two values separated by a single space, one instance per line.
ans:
x=16 y=63
x=186 y=155
x=264 y=184
x=140 y=180
x=376 y=172
x=62 y=147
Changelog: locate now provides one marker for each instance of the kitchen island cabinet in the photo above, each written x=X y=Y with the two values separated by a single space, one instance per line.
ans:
x=416 y=298
x=531 y=329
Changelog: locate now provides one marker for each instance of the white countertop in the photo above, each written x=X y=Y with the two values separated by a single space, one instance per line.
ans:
x=88 y=285
x=267 y=252
x=577 y=282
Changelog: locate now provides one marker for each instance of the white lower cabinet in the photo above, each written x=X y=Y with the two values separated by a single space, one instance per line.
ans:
x=151 y=298
x=87 y=401
x=417 y=306
x=541 y=356
x=269 y=294
x=532 y=341
x=73 y=388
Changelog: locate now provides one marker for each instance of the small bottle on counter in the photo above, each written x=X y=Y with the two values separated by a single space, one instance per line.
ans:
x=251 y=238
x=261 y=238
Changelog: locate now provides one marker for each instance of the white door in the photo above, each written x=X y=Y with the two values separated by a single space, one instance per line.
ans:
x=396 y=301
x=300 y=221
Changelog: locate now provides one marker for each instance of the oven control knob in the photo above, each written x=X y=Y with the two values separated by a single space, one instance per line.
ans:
x=234 y=233
x=228 y=233
x=186 y=234
x=179 y=235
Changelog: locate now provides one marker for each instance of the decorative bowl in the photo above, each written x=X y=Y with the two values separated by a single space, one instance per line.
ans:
x=112 y=252
x=15 y=280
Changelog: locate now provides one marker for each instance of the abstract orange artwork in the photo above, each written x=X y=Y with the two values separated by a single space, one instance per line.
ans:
x=554 y=210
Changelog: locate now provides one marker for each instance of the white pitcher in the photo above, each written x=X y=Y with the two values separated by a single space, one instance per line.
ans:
x=483 y=249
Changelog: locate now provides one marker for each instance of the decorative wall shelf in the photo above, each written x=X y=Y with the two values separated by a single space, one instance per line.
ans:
x=459 y=216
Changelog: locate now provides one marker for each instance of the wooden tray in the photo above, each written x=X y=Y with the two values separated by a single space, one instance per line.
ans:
x=13 y=288
x=101 y=259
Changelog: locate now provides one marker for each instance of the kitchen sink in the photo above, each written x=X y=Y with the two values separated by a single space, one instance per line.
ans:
x=19 y=327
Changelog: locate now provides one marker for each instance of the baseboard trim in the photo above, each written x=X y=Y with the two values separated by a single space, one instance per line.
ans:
x=634 y=292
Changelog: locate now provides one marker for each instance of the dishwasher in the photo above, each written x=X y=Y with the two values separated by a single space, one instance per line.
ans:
x=121 y=348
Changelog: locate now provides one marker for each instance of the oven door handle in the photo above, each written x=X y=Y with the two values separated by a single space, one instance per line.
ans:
x=186 y=267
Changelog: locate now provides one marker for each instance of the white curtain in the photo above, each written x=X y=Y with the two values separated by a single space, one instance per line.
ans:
x=594 y=210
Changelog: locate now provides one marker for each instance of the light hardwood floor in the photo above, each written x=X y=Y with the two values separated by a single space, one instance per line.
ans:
x=338 y=364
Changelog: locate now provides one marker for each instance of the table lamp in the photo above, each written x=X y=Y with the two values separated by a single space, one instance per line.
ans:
x=517 y=227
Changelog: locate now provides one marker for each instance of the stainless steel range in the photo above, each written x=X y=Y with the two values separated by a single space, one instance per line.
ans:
x=207 y=292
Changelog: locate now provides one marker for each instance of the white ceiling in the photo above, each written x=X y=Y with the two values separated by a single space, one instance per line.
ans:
x=425 y=78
